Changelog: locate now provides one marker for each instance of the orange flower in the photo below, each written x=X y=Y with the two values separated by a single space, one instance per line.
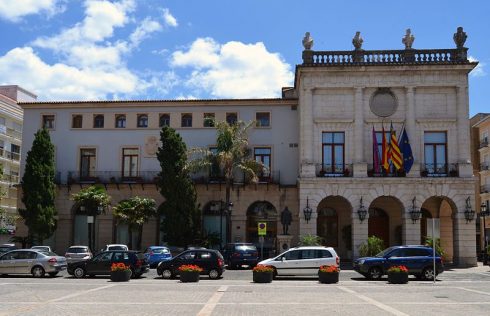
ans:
x=190 y=268
x=398 y=269
x=119 y=266
x=263 y=268
x=329 y=269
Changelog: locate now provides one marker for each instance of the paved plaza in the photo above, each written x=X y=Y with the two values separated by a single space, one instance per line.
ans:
x=457 y=292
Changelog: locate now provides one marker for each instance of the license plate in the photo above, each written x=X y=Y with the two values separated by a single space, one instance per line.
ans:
x=247 y=255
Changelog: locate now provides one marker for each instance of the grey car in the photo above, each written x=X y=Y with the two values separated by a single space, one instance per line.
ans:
x=78 y=253
x=28 y=261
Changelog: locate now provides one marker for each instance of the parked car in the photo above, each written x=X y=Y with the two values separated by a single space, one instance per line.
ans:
x=155 y=254
x=303 y=260
x=29 y=261
x=42 y=248
x=238 y=254
x=418 y=259
x=101 y=264
x=6 y=248
x=78 y=253
x=115 y=247
x=211 y=261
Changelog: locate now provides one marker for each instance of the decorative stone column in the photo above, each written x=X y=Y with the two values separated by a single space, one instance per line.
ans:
x=306 y=135
x=410 y=230
x=463 y=133
x=360 y=165
x=413 y=137
x=464 y=239
x=283 y=242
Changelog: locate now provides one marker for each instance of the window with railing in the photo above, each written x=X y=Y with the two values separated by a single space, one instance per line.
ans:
x=333 y=156
x=142 y=120
x=164 y=120
x=130 y=162
x=48 y=121
x=435 y=154
x=121 y=121
x=186 y=120
x=87 y=163
x=263 y=155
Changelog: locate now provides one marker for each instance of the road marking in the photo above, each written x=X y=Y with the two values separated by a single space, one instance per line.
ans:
x=474 y=291
x=374 y=302
x=213 y=301
x=34 y=305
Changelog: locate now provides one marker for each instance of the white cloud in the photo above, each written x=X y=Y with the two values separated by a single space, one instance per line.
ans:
x=144 y=30
x=63 y=82
x=169 y=19
x=14 y=10
x=478 y=71
x=234 y=69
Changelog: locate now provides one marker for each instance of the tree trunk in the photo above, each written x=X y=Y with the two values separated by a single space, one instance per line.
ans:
x=140 y=236
x=130 y=235
x=227 y=203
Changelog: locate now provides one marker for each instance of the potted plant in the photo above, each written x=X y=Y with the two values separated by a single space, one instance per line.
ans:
x=398 y=275
x=263 y=273
x=120 y=272
x=328 y=274
x=189 y=273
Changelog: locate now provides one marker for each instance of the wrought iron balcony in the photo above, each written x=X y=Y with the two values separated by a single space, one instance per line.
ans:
x=391 y=173
x=439 y=170
x=485 y=188
x=11 y=178
x=483 y=143
x=9 y=155
x=484 y=167
x=214 y=178
x=112 y=177
x=333 y=170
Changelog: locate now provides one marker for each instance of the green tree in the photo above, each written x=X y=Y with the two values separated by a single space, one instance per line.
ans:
x=232 y=156
x=181 y=224
x=92 y=198
x=135 y=212
x=371 y=247
x=38 y=188
x=310 y=240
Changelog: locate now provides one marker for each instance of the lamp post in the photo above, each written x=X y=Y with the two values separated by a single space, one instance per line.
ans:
x=483 y=214
x=222 y=210
x=361 y=212
x=307 y=211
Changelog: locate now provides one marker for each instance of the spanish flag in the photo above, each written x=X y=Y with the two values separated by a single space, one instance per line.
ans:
x=385 y=151
x=396 y=156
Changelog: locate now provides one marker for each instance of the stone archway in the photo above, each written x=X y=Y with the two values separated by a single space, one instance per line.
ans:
x=442 y=210
x=385 y=220
x=334 y=225
x=262 y=211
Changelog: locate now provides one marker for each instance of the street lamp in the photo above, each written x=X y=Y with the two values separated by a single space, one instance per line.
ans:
x=414 y=212
x=483 y=213
x=307 y=211
x=228 y=210
x=361 y=212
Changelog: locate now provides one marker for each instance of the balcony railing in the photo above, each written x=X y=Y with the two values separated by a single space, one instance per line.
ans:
x=439 y=170
x=391 y=173
x=112 y=177
x=484 y=167
x=485 y=188
x=14 y=133
x=12 y=178
x=483 y=143
x=384 y=57
x=9 y=155
x=265 y=177
x=333 y=170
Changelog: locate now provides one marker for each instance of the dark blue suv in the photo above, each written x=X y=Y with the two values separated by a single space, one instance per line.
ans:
x=418 y=260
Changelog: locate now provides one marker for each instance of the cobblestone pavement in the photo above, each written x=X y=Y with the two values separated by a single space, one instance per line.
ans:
x=457 y=292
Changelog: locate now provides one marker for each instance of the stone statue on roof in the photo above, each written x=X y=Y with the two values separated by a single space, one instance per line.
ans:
x=408 y=39
x=307 y=41
x=459 y=38
x=357 y=41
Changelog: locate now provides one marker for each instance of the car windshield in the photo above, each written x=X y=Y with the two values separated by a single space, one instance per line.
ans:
x=77 y=250
x=384 y=252
x=49 y=253
x=246 y=248
x=5 y=249
x=40 y=248
x=160 y=250
x=117 y=248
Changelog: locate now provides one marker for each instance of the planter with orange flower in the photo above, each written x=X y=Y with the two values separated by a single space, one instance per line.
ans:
x=263 y=273
x=120 y=272
x=189 y=273
x=398 y=275
x=328 y=274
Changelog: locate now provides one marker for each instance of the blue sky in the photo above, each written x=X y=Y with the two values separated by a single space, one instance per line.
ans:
x=186 y=49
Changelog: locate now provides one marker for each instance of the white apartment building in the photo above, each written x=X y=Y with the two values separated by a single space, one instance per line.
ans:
x=317 y=141
x=10 y=146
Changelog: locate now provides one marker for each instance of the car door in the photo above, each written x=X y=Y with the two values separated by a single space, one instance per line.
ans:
x=308 y=263
x=97 y=264
x=417 y=259
x=325 y=258
x=396 y=258
x=203 y=260
x=7 y=262
x=288 y=263
x=23 y=261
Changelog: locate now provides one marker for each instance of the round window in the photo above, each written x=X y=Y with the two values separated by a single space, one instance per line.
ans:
x=383 y=103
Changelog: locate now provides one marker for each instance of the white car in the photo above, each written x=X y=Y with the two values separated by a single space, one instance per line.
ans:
x=303 y=260
x=116 y=247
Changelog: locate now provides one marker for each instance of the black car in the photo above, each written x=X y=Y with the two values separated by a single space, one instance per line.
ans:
x=238 y=254
x=419 y=261
x=211 y=261
x=101 y=264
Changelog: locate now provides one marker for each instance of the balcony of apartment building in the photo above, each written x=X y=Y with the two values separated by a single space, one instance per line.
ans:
x=392 y=172
x=10 y=156
x=8 y=203
x=13 y=133
x=265 y=177
x=439 y=170
x=333 y=170
x=10 y=178
x=485 y=166
x=483 y=143
x=485 y=188
x=108 y=177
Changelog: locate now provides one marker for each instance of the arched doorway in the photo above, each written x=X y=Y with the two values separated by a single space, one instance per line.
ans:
x=214 y=223
x=334 y=225
x=385 y=220
x=424 y=216
x=441 y=209
x=262 y=211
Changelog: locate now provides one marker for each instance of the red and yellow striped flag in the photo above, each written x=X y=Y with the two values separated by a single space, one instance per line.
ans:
x=396 y=156
x=385 y=152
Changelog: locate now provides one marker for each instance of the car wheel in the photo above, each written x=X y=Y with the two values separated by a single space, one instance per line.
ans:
x=79 y=273
x=53 y=274
x=428 y=274
x=213 y=274
x=37 y=272
x=167 y=274
x=375 y=273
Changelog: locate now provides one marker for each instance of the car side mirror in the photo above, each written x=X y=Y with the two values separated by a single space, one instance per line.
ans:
x=283 y=258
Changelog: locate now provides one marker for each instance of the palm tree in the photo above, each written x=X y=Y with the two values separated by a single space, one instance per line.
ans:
x=135 y=212
x=232 y=155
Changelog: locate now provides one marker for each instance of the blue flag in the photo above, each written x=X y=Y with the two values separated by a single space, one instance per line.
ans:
x=406 y=151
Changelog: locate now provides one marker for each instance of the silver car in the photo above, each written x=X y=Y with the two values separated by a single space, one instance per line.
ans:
x=28 y=261
x=42 y=248
x=78 y=253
